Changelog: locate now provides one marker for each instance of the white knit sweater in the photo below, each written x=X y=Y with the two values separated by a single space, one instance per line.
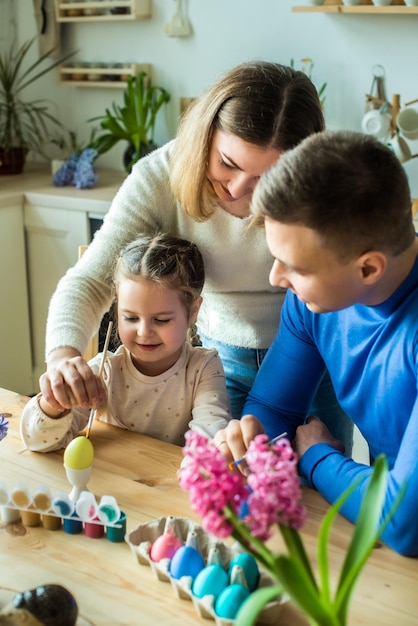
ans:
x=239 y=306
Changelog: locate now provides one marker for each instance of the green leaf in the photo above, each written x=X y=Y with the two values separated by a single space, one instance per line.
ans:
x=24 y=123
x=297 y=551
x=323 y=536
x=298 y=584
x=366 y=532
x=254 y=604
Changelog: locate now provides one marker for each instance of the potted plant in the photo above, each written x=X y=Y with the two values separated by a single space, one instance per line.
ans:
x=307 y=67
x=133 y=122
x=23 y=124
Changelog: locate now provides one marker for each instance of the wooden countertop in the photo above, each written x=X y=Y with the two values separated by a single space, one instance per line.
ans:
x=110 y=587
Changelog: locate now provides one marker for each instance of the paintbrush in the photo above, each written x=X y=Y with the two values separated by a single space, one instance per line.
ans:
x=234 y=464
x=106 y=345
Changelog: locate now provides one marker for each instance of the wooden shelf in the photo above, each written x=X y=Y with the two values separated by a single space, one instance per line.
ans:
x=112 y=76
x=102 y=10
x=366 y=7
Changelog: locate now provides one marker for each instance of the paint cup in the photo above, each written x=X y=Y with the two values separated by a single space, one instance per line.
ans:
x=42 y=498
x=408 y=123
x=86 y=506
x=116 y=534
x=62 y=505
x=108 y=510
x=9 y=515
x=30 y=518
x=94 y=530
x=20 y=495
x=51 y=522
x=73 y=525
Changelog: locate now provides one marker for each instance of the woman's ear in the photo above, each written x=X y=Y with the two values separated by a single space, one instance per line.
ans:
x=372 y=265
x=194 y=309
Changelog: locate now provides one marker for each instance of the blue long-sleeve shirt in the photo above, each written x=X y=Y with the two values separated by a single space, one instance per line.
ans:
x=371 y=353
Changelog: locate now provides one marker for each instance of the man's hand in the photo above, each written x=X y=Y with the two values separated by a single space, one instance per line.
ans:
x=314 y=431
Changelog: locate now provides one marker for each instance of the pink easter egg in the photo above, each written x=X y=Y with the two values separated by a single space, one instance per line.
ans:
x=164 y=547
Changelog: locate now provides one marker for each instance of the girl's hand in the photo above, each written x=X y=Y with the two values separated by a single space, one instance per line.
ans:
x=233 y=441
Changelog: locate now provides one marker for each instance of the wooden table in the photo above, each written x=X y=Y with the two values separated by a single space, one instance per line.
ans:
x=110 y=587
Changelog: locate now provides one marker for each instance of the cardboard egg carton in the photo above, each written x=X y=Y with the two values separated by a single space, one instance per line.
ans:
x=212 y=550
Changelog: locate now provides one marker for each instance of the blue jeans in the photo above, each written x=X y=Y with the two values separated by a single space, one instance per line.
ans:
x=241 y=366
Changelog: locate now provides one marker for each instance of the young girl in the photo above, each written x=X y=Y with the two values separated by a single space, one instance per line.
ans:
x=157 y=383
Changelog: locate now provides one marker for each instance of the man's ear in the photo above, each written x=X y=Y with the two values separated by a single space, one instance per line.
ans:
x=372 y=265
x=194 y=309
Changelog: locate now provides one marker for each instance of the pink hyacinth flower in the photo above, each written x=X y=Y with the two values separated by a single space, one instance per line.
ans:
x=212 y=486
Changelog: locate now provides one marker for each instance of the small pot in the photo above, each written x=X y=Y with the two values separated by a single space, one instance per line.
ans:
x=12 y=161
x=146 y=148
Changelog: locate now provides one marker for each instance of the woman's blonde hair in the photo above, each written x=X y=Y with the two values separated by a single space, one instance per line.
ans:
x=266 y=104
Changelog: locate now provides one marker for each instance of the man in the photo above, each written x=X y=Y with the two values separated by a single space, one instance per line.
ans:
x=338 y=222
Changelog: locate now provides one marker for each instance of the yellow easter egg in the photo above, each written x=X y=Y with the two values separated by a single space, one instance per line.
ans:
x=79 y=453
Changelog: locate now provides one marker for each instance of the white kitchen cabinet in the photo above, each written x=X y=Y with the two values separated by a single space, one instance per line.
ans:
x=52 y=238
x=15 y=344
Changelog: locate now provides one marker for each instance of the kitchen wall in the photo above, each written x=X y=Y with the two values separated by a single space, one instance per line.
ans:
x=226 y=32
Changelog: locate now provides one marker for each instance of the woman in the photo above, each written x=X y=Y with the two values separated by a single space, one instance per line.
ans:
x=199 y=187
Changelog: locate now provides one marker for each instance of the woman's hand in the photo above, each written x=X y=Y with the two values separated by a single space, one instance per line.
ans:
x=69 y=381
x=233 y=441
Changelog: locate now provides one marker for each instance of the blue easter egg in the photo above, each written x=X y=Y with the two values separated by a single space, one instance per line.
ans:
x=210 y=581
x=250 y=568
x=187 y=561
x=229 y=601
